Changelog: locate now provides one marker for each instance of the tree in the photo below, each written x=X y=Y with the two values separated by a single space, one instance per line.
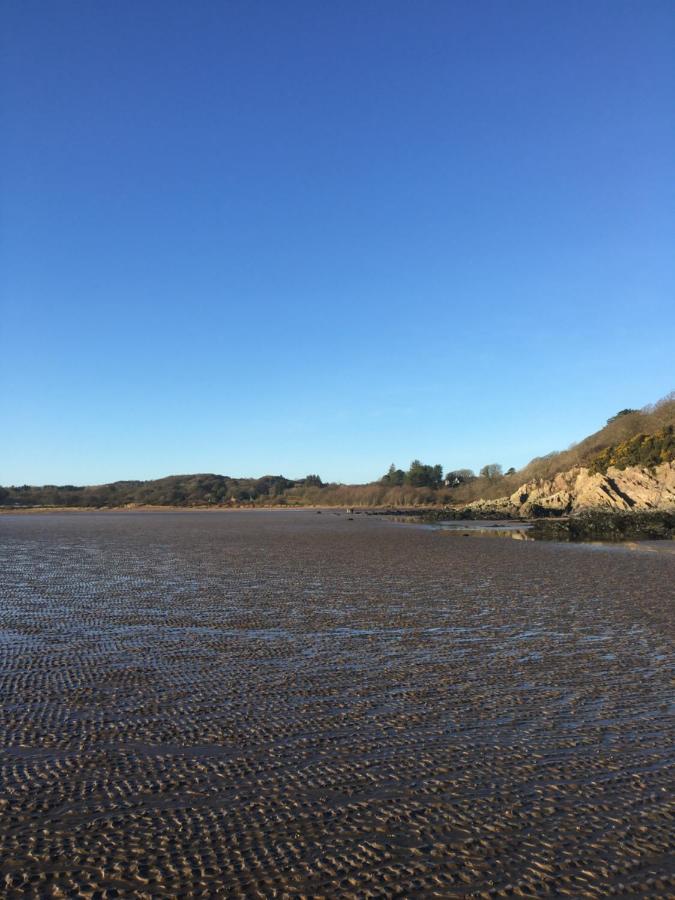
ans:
x=511 y=471
x=459 y=476
x=394 y=476
x=491 y=471
x=421 y=475
x=622 y=412
x=313 y=481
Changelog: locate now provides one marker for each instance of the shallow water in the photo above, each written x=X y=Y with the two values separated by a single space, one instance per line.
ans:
x=267 y=704
x=471 y=528
x=523 y=531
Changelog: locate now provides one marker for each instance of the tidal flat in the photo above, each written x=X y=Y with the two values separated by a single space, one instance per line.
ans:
x=285 y=704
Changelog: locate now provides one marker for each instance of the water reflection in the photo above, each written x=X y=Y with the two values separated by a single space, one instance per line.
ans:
x=517 y=531
x=525 y=531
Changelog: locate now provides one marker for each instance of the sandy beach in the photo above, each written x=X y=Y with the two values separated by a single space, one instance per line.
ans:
x=285 y=704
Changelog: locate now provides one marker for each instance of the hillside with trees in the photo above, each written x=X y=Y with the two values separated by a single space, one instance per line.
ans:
x=631 y=437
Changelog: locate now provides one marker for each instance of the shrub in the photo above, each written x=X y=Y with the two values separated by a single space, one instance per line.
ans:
x=642 y=450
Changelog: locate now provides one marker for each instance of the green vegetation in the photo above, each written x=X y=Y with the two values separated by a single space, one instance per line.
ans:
x=418 y=475
x=622 y=412
x=646 y=450
x=312 y=481
x=176 y=490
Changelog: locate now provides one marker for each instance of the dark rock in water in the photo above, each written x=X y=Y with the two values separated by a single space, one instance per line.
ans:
x=552 y=525
x=545 y=512
x=602 y=525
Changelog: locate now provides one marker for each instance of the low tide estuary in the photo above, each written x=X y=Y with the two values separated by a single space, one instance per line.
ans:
x=285 y=704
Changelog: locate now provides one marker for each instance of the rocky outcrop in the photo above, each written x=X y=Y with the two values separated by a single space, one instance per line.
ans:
x=578 y=489
x=607 y=525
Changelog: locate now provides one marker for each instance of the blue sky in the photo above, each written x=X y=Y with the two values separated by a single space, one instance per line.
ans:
x=289 y=237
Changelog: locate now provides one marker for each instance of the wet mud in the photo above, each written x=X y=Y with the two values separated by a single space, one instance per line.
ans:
x=271 y=704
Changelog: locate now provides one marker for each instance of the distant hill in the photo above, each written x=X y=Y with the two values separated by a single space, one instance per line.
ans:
x=636 y=439
x=174 y=490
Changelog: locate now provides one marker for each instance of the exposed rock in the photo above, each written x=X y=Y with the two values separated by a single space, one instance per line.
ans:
x=578 y=489
x=607 y=525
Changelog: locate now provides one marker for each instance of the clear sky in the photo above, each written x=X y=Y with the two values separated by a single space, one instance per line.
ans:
x=261 y=237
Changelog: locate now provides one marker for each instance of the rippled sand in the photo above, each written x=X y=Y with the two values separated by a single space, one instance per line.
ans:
x=299 y=705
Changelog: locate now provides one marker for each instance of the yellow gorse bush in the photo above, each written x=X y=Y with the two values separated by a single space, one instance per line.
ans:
x=642 y=450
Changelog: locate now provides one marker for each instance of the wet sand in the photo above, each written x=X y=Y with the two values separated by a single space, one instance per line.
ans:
x=281 y=704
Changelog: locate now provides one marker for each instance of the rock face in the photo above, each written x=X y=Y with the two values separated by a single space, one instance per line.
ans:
x=577 y=489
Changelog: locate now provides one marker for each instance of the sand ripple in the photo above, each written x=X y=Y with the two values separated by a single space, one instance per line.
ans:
x=291 y=705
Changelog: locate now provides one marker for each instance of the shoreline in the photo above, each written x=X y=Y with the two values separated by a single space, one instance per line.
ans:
x=26 y=510
x=614 y=526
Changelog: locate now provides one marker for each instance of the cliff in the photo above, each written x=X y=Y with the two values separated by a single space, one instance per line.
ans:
x=632 y=488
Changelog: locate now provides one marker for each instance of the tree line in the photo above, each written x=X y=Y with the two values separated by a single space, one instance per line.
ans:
x=222 y=490
x=423 y=475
